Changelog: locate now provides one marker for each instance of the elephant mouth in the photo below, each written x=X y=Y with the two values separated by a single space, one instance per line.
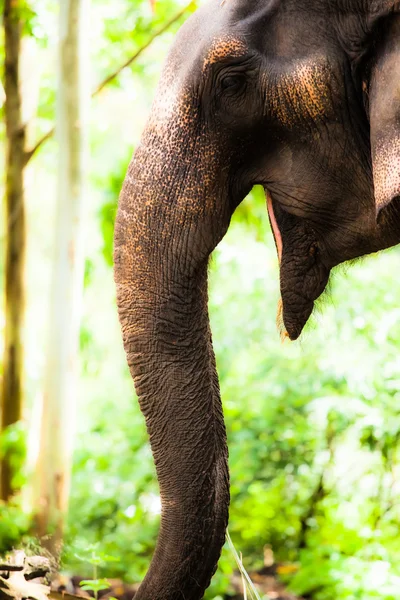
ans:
x=303 y=274
x=274 y=225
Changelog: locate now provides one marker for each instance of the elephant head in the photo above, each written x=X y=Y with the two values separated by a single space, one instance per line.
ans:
x=302 y=97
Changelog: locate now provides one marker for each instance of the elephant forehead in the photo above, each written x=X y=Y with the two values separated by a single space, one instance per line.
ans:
x=224 y=47
x=304 y=91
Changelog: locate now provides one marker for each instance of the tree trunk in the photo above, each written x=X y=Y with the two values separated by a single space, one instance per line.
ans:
x=52 y=473
x=11 y=401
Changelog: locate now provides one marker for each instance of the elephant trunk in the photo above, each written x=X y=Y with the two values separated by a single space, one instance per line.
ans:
x=166 y=228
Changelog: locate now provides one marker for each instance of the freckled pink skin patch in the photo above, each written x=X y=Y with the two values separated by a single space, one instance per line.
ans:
x=274 y=225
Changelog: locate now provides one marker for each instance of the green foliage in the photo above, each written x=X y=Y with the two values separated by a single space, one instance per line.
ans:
x=110 y=502
x=128 y=27
x=96 y=559
x=13 y=445
x=14 y=520
x=108 y=210
x=94 y=585
x=14 y=524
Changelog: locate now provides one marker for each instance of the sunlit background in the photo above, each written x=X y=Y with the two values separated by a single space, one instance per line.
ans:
x=313 y=426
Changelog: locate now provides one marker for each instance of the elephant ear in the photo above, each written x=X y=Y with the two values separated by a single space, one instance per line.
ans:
x=384 y=107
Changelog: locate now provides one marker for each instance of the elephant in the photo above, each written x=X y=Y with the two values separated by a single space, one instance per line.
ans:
x=303 y=98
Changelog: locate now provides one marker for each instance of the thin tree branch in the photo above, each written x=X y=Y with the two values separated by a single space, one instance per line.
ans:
x=42 y=140
x=130 y=60
x=29 y=153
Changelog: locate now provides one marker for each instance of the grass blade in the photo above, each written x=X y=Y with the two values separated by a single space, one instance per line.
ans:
x=245 y=576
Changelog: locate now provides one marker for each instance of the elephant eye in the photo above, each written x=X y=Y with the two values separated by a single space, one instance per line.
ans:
x=232 y=82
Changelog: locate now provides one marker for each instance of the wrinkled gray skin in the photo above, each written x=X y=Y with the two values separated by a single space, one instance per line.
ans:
x=303 y=97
